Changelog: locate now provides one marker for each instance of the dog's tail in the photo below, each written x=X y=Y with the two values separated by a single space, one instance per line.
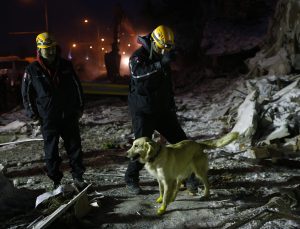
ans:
x=225 y=140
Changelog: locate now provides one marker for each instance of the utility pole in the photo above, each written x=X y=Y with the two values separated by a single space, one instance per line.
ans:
x=46 y=15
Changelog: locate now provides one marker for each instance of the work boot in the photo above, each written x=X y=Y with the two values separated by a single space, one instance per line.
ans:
x=192 y=188
x=192 y=184
x=80 y=183
x=134 y=188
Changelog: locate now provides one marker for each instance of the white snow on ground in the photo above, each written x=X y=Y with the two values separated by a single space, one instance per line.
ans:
x=237 y=183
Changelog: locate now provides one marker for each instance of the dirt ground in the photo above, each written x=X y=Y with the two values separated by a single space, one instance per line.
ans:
x=241 y=187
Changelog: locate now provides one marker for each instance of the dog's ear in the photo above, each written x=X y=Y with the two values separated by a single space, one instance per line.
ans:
x=150 y=146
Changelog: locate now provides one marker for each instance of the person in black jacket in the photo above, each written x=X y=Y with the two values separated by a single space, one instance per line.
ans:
x=52 y=94
x=151 y=99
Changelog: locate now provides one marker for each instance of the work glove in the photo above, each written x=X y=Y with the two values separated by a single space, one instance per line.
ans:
x=168 y=57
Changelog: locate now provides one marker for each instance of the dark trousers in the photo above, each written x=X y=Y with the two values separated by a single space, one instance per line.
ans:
x=144 y=125
x=68 y=130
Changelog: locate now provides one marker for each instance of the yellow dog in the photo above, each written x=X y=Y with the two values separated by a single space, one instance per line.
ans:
x=171 y=164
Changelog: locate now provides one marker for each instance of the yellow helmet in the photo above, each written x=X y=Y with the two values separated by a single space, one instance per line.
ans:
x=163 y=38
x=45 y=40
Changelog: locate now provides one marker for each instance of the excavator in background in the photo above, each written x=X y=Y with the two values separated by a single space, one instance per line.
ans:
x=113 y=83
x=99 y=74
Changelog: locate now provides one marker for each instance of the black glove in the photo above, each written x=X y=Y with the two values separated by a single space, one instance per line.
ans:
x=168 y=57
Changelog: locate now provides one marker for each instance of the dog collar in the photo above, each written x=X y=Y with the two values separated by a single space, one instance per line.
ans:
x=157 y=152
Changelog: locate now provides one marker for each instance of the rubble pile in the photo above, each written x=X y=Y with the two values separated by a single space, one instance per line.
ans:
x=14 y=201
x=280 y=52
x=269 y=117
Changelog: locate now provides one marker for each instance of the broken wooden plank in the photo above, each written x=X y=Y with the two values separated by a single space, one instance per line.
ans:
x=44 y=223
x=22 y=141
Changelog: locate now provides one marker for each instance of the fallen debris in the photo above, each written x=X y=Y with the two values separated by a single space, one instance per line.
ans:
x=79 y=203
x=21 y=141
x=280 y=206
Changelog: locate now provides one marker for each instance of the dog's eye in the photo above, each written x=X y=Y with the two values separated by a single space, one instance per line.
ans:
x=135 y=145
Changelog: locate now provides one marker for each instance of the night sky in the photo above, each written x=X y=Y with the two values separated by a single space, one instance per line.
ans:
x=65 y=18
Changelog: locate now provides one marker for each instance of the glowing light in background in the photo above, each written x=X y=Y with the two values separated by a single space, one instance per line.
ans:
x=124 y=68
x=74 y=45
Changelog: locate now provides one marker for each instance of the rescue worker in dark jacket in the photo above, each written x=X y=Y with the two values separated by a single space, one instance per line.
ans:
x=151 y=98
x=52 y=94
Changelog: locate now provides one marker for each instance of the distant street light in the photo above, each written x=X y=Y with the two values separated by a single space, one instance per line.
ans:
x=74 y=45
x=102 y=39
x=86 y=21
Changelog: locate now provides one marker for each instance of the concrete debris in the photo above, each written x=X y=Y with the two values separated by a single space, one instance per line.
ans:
x=290 y=148
x=2 y=168
x=14 y=126
x=269 y=118
x=79 y=202
x=59 y=190
x=247 y=117
x=280 y=52
x=278 y=207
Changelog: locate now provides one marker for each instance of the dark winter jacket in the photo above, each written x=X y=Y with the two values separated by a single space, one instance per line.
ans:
x=51 y=94
x=150 y=82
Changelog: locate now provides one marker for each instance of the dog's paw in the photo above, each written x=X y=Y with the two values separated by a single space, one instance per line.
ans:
x=159 y=199
x=161 y=210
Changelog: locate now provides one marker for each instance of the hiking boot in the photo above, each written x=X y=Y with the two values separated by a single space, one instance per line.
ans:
x=192 y=184
x=192 y=188
x=79 y=183
x=134 y=188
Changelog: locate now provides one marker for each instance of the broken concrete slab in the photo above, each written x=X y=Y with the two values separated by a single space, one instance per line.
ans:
x=280 y=132
x=272 y=116
x=247 y=117
x=286 y=90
